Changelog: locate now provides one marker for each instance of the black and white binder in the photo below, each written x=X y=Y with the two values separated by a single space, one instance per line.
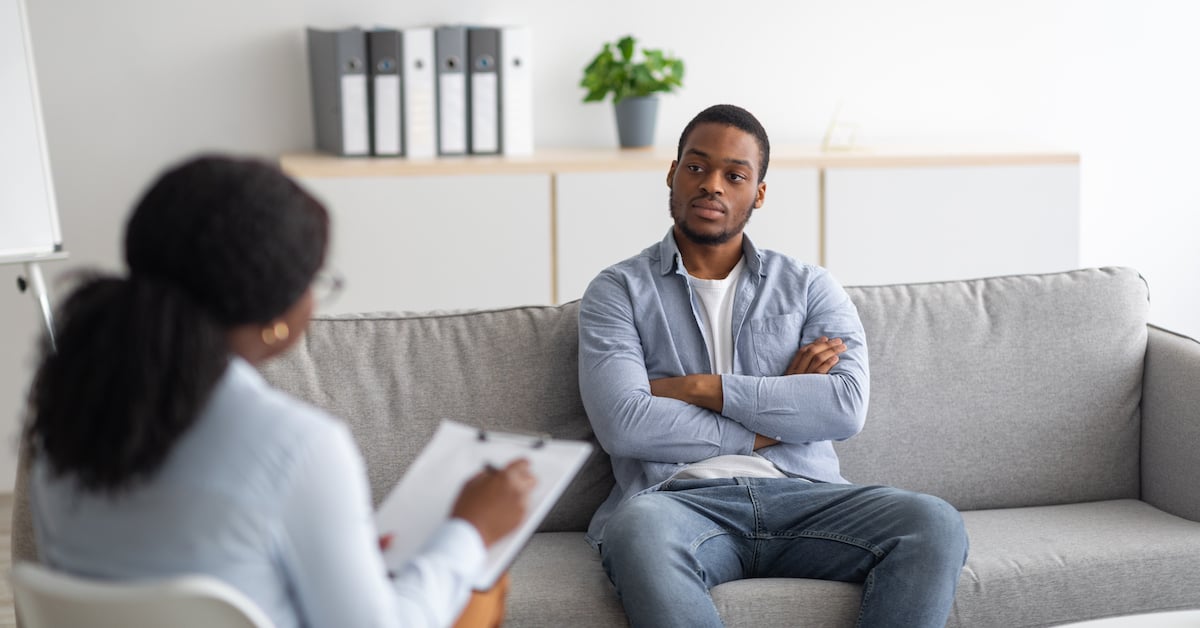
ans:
x=337 y=61
x=419 y=109
x=516 y=90
x=451 y=47
x=484 y=88
x=383 y=60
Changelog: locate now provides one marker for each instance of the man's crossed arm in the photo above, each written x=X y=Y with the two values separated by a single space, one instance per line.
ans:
x=704 y=390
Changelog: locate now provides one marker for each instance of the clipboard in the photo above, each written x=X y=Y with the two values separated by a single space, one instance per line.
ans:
x=421 y=501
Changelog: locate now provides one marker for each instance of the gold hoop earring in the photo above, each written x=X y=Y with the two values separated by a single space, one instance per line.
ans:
x=278 y=332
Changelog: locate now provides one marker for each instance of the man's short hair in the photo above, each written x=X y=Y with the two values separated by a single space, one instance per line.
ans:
x=734 y=116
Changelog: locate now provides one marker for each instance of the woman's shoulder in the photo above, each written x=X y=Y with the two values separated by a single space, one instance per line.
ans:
x=262 y=435
x=244 y=395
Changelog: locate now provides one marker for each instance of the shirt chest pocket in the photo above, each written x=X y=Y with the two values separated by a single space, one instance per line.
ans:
x=775 y=340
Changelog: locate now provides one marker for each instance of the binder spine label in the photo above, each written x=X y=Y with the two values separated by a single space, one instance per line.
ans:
x=484 y=114
x=452 y=116
x=422 y=139
x=387 y=115
x=355 y=140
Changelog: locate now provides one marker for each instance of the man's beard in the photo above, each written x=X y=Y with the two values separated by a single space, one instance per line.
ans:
x=702 y=238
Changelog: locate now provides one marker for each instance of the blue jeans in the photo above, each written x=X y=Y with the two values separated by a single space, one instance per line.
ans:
x=664 y=550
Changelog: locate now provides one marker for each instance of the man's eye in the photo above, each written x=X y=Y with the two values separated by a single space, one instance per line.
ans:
x=736 y=177
x=693 y=168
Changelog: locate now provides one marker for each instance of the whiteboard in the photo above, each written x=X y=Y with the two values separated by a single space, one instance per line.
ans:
x=29 y=226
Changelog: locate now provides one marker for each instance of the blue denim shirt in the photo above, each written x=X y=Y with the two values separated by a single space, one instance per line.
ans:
x=638 y=321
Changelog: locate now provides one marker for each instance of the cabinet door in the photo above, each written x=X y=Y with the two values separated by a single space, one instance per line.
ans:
x=439 y=242
x=896 y=225
x=603 y=218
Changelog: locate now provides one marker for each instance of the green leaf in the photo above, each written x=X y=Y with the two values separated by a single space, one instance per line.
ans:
x=626 y=46
x=654 y=58
x=624 y=78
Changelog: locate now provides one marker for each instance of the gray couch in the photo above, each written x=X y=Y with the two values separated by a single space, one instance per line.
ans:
x=1044 y=407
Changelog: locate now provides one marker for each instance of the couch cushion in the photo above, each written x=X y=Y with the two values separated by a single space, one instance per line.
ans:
x=1055 y=564
x=1007 y=391
x=1027 y=567
x=393 y=377
x=558 y=581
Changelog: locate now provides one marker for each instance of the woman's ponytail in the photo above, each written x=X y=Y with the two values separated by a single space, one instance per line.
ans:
x=135 y=361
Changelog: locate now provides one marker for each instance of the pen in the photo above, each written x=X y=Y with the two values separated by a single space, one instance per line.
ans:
x=385 y=541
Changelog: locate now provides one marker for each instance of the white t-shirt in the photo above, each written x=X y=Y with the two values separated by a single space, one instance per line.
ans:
x=716 y=314
x=715 y=297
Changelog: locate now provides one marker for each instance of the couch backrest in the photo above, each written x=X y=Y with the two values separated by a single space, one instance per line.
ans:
x=394 y=377
x=998 y=392
x=1006 y=391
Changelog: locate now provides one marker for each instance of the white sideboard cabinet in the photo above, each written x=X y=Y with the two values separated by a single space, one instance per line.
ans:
x=899 y=224
x=438 y=243
x=488 y=231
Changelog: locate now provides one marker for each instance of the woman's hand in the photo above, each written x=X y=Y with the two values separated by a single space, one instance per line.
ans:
x=495 y=500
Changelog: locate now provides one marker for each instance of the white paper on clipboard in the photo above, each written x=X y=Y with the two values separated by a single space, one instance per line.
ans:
x=421 y=501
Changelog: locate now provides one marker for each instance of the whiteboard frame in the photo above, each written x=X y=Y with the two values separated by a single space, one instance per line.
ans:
x=34 y=253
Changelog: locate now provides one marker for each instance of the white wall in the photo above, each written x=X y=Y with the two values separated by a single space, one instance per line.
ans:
x=130 y=85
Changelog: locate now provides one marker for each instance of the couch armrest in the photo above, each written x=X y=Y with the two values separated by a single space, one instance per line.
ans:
x=1171 y=424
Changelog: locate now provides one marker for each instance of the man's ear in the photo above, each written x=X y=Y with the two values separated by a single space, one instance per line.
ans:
x=671 y=173
x=762 y=194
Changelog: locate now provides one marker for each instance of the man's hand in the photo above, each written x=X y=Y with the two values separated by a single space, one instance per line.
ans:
x=816 y=358
x=699 y=390
x=761 y=441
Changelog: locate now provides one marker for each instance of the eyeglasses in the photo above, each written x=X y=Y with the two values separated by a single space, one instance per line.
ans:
x=326 y=286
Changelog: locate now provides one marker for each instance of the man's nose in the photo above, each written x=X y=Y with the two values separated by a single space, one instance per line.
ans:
x=712 y=184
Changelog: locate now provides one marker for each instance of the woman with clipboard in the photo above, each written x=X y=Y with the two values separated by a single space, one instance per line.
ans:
x=159 y=450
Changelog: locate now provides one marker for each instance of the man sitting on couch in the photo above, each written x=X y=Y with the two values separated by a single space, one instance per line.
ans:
x=716 y=376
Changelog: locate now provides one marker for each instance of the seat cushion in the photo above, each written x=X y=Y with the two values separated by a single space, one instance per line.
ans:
x=1027 y=567
x=557 y=582
x=1056 y=564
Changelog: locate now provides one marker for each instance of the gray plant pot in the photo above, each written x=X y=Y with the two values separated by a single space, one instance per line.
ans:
x=635 y=121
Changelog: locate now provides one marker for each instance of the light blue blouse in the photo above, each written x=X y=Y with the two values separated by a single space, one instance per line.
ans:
x=270 y=495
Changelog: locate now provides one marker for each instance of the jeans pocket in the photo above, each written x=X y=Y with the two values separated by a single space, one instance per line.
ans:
x=695 y=483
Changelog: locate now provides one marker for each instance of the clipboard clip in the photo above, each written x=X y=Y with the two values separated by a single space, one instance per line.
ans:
x=535 y=441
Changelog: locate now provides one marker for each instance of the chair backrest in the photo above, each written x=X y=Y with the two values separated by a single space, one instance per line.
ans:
x=50 y=599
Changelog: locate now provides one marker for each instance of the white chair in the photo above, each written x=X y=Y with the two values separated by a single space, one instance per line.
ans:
x=50 y=599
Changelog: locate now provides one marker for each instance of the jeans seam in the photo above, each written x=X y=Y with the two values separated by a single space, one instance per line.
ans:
x=833 y=536
x=867 y=586
x=694 y=546
x=704 y=538
x=758 y=527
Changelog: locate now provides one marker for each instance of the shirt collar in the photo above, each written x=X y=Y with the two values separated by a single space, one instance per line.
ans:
x=670 y=261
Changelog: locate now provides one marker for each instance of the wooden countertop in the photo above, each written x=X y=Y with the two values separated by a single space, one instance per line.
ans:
x=565 y=160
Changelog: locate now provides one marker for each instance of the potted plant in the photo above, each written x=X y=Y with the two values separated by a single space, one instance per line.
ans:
x=634 y=84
